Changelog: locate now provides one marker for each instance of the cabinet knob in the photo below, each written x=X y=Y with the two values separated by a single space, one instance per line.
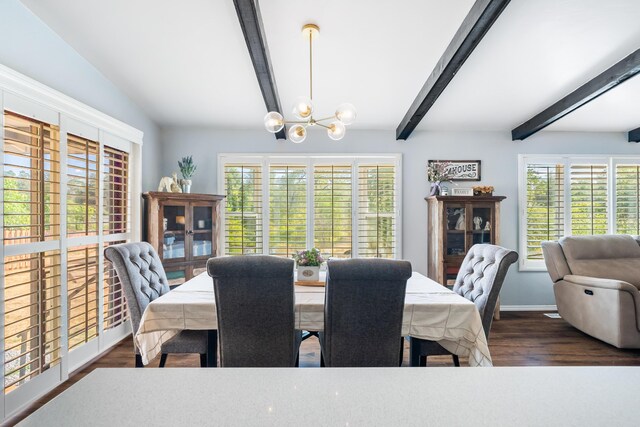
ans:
x=189 y=231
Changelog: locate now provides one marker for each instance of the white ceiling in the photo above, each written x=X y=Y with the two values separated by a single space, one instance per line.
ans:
x=186 y=63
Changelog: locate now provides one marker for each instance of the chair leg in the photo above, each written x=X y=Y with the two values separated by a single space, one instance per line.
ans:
x=456 y=360
x=297 y=364
x=414 y=352
x=139 y=363
x=203 y=360
x=321 y=359
x=212 y=348
x=423 y=360
x=401 y=350
x=163 y=359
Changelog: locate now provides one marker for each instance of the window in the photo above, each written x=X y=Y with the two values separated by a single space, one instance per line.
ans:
x=243 y=212
x=31 y=180
x=116 y=191
x=332 y=200
x=376 y=211
x=82 y=186
x=287 y=209
x=574 y=195
x=35 y=252
x=346 y=206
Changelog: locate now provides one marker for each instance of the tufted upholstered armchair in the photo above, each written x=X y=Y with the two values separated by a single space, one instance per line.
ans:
x=596 y=282
x=255 y=309
x=143 y=279
x=479 y=280
x=364 y=303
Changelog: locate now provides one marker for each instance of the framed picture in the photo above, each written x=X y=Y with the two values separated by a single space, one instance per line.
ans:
x=462 y=170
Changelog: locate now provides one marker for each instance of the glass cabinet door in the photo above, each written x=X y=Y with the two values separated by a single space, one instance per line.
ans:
x=482 y=221
x=202 y=232
x=174 y=232
x=456 y=228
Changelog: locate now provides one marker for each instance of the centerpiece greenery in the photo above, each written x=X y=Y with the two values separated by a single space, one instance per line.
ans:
x=308 y=258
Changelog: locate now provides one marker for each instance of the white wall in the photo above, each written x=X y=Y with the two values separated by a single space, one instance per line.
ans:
x=30 y=47
x=499 y=156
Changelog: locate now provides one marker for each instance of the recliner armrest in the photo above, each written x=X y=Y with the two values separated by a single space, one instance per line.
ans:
x=596 y=282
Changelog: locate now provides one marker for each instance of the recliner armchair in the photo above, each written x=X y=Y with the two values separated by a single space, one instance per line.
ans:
x=596 y=285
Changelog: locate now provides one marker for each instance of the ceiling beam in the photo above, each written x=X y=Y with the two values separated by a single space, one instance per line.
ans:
x=634 y=135
x=474 y=27
x=251 y=22
x=607 y=80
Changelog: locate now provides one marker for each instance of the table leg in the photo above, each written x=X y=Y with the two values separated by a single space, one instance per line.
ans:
x=212 y=348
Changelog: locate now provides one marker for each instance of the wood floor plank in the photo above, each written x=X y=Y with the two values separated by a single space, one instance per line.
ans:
x=518 y=339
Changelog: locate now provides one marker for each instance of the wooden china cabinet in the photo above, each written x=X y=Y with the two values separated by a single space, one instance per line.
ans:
x=183 y=229
x=455 y=224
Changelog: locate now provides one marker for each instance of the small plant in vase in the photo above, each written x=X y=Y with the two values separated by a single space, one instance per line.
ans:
x=308 y=262
x=438 y=172
x=187 y=169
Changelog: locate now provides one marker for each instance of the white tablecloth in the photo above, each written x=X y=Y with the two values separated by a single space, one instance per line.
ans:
x=431 y=312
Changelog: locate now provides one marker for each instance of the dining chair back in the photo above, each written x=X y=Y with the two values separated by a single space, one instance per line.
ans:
x=255 y=310
x=479 y=280
x=143 y=279
x=364 y=303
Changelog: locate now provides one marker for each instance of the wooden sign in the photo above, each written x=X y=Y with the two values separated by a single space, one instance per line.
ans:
x=461 y=170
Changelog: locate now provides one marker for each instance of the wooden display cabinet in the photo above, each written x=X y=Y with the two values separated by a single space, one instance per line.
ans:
x=183 y=229
x=455 y=224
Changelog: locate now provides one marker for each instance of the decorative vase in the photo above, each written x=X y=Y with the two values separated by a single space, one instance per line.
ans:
x=186 y=185
x=435 y=188
x=308 y=274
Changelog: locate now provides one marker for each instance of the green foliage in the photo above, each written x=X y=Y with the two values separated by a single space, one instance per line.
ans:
x=308 y=258
x=187 y=167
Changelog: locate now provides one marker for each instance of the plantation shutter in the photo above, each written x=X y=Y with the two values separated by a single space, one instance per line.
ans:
x=82 y=186
x=243 y=212
x=31 y=158
x=32 y=316
x=116 y=196
x=627 y=199
x=82 y=294
x=332 y=210
x=114 y=306
x=287 y=209
x=588 y=199
x=544 y=206
x=376 y=211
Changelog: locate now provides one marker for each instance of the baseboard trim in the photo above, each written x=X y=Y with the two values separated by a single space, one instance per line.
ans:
x=528 y=308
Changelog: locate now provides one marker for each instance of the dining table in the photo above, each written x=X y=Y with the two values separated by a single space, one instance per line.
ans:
x=431 y=312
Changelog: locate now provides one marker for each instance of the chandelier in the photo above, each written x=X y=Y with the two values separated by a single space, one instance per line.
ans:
x=303 y=107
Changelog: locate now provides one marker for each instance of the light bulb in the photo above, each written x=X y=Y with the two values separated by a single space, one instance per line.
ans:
x=346 y=113
x=303 y=107
x=297 y=133
x=273 y=122
x=336 y=130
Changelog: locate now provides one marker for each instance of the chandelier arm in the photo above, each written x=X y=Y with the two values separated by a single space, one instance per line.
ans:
x=311 y=65
x=296 y=121
x=321 y=125
x=326 y=118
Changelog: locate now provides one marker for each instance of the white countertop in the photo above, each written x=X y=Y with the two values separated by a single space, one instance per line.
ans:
x=545 y=396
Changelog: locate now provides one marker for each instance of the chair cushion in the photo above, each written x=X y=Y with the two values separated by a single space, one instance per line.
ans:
x=607 y=257
x=187 y=341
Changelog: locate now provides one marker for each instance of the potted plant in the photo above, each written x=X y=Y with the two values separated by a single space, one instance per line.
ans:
x=308 y=262
x=187 y=169
x=436 y=173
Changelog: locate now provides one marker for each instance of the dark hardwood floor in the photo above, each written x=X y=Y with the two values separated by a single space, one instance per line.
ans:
x=518 y=339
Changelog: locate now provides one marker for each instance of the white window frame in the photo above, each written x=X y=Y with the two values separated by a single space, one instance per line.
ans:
x=310 y=160
x=611 y=161
x=25 y=96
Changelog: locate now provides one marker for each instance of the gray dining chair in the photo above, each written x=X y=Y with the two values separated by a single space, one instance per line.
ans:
x=364 y=303
x=479 y=280
x=255 y=309
x=143 y=279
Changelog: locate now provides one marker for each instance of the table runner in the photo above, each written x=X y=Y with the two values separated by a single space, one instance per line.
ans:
x=431 y=312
